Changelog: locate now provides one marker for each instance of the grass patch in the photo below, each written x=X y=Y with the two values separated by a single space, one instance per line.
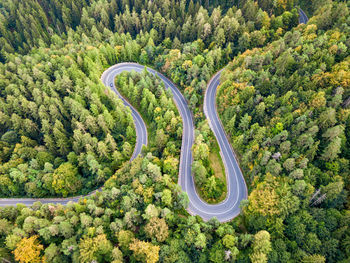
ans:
x=218 y=169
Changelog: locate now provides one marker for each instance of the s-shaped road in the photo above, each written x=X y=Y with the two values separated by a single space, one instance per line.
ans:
x=237 y=190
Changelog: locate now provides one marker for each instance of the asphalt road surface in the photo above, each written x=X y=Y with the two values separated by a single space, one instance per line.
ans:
x=302 y=17
x=107 y=78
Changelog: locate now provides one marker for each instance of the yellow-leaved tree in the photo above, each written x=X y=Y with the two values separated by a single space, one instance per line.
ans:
x=272 y=199
x=95 y=249
x=145 y=251
x=28 y=250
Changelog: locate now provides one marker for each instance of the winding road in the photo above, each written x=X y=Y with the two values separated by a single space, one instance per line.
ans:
x=237 y=189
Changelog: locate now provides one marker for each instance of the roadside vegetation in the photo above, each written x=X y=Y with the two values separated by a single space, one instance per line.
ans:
x=284 y=108
x=149 y=96
x=62 y=132
x=215 y=190
x=218 y=169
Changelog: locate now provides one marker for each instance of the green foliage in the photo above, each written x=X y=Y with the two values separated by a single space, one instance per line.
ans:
x=88 y=128
x=281 y=106
x=65 y=179
x=148 y=94
x=100 y=228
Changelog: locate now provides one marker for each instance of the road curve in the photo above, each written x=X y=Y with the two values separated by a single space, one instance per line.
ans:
x=237 y=189
x=107 y=79
x=236 y=186
x=303 y=19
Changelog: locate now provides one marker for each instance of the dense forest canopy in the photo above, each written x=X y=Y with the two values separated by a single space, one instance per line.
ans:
x=164 y=123
x=61 y=130
x=90 y=143
x=283 y=100
x=32 y=23
x=283 y=108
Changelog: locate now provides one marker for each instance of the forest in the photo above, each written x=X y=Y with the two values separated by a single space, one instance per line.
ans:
x=283 y=99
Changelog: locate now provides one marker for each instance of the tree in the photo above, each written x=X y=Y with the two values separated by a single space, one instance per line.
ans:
x=66 y=229
x=229 y=241
x=151 y=211
x=318 y=100
x=157 y=228
x=145 y=251
x=154 y=171
x=28 y=250
x=170 y=165
x=200 y=149
x=162 y=138
x=263 y=200
x=312 y=243
x=217 y=253
x=98 y=248
x=167 y=198
x=66 y=179
x=87 y=249
x=117 y=255
x=297 y=174
x=245 y=122
x=332 y=150
x=261 y=242
x=289 y=164
x=127 y=150
x=313 y=259
x=52 y=253
x=258 y=258
x=327 y=118
x=213 y=187
x=332 y=190
x=125 y=237
x=332 y=133
x=200 y=241
x=200 y=173
x=261 y=247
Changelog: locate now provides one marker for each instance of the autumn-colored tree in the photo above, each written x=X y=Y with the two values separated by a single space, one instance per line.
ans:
x=263 y=200
x=157 y=228
x=28 y=250
x=145 y=251
x=96 y=248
